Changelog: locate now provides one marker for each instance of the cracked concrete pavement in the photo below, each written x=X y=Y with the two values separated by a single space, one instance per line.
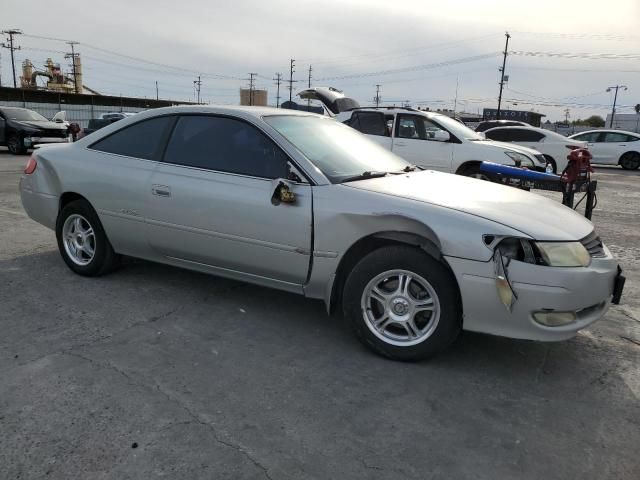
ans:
x=159 y=372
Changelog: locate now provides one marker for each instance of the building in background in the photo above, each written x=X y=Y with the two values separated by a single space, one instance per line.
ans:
x=532 y=118
x=625 y=121
x=259 y=97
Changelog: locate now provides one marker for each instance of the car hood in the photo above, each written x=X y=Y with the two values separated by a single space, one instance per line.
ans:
x=536 y=216
x=42 y=125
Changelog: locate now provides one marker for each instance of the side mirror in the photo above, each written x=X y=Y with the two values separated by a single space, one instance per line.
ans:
x=282 y=192
x=441 y=136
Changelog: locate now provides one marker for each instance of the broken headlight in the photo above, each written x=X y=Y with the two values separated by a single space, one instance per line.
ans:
x=552 y=254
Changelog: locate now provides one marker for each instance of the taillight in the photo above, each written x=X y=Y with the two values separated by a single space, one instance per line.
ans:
x=31 y=166
x=572 y=147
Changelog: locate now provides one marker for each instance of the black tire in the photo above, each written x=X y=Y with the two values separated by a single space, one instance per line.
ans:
x=630 y=161
x=104 y=258
x=15 y=145
x=413 y=260
x=553 y=163
x=473 y=171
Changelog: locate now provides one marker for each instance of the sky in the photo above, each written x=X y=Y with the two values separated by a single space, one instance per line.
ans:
x=436 y=54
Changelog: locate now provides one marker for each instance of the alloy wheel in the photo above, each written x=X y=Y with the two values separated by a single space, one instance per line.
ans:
x=79 y=239
x=400 y=307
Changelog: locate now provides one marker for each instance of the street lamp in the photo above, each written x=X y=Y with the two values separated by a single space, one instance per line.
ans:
x=615 y=98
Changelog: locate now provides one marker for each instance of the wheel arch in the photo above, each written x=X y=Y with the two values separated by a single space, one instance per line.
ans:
x=466 y=165
x=68 y=197
x=632 y=152
x=426 y=241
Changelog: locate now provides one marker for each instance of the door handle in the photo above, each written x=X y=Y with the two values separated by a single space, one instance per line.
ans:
x=161 y=190
x=399 y=144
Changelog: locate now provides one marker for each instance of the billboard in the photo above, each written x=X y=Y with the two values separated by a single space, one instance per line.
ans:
x=532 y=118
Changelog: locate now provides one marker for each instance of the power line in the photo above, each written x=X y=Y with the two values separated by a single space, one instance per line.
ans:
x=413 y=68
x=586 y=56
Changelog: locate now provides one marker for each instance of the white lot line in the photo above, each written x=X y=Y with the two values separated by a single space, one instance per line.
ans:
x=13 y=212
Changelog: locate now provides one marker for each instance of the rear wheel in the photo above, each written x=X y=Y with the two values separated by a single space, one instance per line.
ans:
x=473 y=171
x=630 y=161
x=15 y=145
x=402 y=303
x=82 y=241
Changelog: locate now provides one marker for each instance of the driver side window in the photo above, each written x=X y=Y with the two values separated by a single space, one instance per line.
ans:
x=417 y=128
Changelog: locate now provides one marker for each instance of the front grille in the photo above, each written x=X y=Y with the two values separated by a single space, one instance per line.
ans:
x=54 y=133
x=593 y=244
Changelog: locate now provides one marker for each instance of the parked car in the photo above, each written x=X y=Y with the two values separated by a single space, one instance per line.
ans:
x=612 y=147
x=299 y=202
x=554 y=147
x=487 y=124
x=115 y=115
x=427 y=139
x=435 y=141
x=22 y=129
x=96 y=124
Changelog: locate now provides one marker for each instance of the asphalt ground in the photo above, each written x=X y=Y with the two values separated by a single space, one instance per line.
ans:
x=158 y=372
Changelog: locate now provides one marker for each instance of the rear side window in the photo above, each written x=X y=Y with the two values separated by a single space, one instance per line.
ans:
x=370 y=123
x=514 y=135
x=141 y=140
x=611 y=137
x=225 y=145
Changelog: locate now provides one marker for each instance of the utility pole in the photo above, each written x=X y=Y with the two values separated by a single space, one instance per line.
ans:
x=566 y=116
x=291 y=81
x=197 y=84
x=157 y=95
x=377 y=97
x=10 y=46
x=309 y=86
x=504 y=64
x=251 y=87
x=615 y=99
x=455 y=100
x=72 y=55
x=278 y=80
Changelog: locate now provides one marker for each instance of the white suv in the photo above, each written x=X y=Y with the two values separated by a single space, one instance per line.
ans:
x=427 y=139
x=435 y=141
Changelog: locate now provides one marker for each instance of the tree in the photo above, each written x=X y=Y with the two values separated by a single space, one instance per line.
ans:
x=594 y=121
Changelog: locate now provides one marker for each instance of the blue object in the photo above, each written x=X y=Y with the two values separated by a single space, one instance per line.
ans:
x=515 y=172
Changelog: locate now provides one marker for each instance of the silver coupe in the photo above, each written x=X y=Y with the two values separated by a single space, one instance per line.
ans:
x=299 y=202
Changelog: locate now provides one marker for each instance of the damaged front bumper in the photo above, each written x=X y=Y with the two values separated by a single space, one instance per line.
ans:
x=546 y=303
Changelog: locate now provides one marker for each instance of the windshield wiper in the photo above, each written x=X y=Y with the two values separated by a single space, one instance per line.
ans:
x=363 y=176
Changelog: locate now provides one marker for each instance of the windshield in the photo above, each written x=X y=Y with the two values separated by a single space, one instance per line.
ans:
x=458 y=129
x=337 y=150
x=22 y=115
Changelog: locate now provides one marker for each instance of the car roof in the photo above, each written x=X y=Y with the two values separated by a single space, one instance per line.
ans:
x=526 y=127
x=222 y=109
x=395 y=110
x=607 y=130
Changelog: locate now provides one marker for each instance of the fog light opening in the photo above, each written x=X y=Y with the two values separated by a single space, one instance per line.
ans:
x=550 y=318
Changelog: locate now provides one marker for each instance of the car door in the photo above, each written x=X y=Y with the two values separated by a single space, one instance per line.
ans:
x=416 y=140
x=115 y=177
x=374 y=125
x=212 y=203
x=594 y=143
x=610 y=147
x=3 y=135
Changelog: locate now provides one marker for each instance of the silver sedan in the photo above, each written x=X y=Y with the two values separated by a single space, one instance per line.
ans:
x=299 y=202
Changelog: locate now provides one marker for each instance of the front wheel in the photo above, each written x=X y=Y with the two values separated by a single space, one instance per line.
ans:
x=15 y=145
x=402 y=303
x=82 y=242
x=630 y=161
